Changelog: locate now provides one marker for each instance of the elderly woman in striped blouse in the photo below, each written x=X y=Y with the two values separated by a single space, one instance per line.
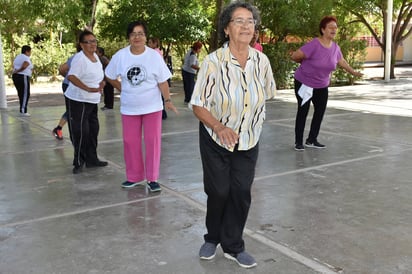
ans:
x=229 y=100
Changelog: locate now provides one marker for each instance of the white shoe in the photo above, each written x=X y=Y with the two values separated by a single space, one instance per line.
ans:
x=25 y=114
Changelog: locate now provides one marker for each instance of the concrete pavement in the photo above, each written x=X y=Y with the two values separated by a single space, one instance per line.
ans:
x=345 y=209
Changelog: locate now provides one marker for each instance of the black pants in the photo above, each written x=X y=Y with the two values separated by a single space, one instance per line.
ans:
x=319 y=100
x=108 y=92
x=188 y=84
x=227 y=179
x=164 y=112
x=22 y=84
x=84 y=129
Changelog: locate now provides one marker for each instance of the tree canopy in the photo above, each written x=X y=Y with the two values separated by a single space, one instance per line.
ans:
x=373 y=14
x=181 y=22
x=302 y=20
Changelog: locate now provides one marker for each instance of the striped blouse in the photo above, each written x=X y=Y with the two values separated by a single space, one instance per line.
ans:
x=234 y=96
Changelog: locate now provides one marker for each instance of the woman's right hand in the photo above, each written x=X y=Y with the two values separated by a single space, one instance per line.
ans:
x=226 y=135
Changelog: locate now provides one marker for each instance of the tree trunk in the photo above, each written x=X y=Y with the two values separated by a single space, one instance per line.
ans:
x=214 y=35
x=92 y=22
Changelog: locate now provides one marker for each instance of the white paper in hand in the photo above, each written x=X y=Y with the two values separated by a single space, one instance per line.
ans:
x=305 y=93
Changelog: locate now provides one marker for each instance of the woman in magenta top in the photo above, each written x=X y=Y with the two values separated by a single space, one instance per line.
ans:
x=318 y=58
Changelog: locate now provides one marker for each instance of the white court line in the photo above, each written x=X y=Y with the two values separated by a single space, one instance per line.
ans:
x=319 y=166
x=310 y=263
x=313 y=264
x=54 y=216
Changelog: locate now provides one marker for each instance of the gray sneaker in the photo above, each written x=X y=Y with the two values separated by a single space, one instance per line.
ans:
x=207 y=251
x=243 y=259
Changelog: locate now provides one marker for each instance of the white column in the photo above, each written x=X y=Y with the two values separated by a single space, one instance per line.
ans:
x=388 y=50
x=3 y=99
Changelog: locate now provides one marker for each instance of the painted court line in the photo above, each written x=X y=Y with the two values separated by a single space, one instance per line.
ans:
x=71 y=213
x=310 y=263
x=313 y=264
x=319 y=166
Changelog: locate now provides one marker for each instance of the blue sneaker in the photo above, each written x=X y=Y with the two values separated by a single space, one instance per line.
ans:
x=243 y=259
x=153 y=186
x=207 y=251
x=128 y=184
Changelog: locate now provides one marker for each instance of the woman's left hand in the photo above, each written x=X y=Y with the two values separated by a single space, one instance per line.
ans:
x=169 y=106
x=357 y=74
x=101 y=86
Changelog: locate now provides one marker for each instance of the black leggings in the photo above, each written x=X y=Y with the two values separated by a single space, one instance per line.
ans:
x=319 y=100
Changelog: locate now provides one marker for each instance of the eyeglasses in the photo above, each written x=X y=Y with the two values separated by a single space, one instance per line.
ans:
x=242 y=21
x=90 y=42
x=137 y=34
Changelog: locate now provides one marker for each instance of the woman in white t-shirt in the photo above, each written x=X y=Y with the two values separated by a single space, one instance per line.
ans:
x=83 y=95
x=22 y=69
x=140 y=74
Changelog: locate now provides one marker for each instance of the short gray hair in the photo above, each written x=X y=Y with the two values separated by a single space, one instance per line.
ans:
x=227 y=13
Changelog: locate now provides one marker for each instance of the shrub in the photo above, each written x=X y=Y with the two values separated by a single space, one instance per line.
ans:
x=354 y=52
x=283 y=67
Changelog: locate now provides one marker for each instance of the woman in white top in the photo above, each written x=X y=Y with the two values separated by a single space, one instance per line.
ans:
x=83 y=95
x=22 y=69
x=143 y=74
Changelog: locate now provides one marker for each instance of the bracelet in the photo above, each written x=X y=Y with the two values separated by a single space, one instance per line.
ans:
x=168 y=100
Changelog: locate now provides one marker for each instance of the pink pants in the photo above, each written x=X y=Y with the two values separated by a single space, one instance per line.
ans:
x=134 y=126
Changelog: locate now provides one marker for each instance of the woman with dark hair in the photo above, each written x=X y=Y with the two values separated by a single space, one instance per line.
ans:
x=229 y=100
x=189 y=70
x=83 y=95
x=317 y=59
x=22 y=69
x=143 y=75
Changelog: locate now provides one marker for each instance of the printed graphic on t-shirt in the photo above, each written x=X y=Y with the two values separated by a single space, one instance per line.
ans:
x=136 y=75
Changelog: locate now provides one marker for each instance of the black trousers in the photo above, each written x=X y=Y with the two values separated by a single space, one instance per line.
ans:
x=22 y=84
x=227 y=179
x=84 y=129
x=108 y=92
x=188 y=84
x=319 y=100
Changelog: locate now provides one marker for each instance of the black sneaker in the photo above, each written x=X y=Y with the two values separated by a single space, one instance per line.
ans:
x=314 y=144
x=77 y=169
x=153 y=186
x=96 y=164
x=243 y=259
x=299 y=148
x=128 y=184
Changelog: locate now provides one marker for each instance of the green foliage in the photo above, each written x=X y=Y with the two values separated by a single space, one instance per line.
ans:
x=354 y=52
x=46 y=56
x=50 y=27
x=299 y=18
x=8 y=61
x=373 y=14
x=282 y=66
x=170 y=20
x=111 y=46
